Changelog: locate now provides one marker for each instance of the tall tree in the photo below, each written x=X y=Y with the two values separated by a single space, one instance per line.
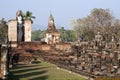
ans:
x=102 y=19
x=99 y=20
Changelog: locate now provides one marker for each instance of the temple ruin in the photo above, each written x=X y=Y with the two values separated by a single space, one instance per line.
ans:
x=95 y=59
x=52 y=36
x=19 y=29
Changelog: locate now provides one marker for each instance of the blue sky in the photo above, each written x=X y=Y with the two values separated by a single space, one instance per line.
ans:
x=62 y=10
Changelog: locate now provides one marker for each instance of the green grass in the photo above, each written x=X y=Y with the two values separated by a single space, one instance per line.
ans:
x=41 y=71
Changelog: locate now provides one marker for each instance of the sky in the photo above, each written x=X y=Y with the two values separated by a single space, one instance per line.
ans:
x=63 y=11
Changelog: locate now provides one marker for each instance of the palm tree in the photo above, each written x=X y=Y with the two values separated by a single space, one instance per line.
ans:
x=28 y=16
x=3 y=22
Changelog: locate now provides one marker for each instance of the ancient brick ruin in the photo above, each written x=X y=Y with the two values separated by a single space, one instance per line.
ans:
x=97 y=58
x=19 y=29
x=52 y=36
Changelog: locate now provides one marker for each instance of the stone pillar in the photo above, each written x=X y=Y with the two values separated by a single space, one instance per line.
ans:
x=0 y=58
x=12 y=32
x=3 y=64
x=27 y=30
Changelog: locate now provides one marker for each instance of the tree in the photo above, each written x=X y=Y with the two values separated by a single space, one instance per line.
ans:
x=3 y=22
x=67 y=35
x=101 y=17
x=3 y=30
x=37 y=35
x=28 y=16
x=78 y=26
x=63 y=33
x=99 y=20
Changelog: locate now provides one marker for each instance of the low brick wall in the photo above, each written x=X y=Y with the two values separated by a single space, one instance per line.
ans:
x=63 y=46
x=34 y=46
x=44 y=47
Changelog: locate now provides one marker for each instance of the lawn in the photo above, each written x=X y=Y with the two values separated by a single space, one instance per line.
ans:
x=41 y=71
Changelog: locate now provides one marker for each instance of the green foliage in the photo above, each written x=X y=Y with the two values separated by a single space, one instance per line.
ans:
x=66 y=35
x=89 y=35
x=37 y=35
x=3 y=33
x=28 y=16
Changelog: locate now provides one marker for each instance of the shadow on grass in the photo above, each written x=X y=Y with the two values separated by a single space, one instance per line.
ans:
x=32 y=74
x=18 y=77
x=26 y=72
x=23 y=66
x=28 y=69
x=12 y=77
x=36 y=62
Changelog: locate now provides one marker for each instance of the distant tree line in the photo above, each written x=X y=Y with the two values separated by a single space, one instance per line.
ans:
x=99 y=20
x=3 y=30
x=37 y=35
x=66 y=35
